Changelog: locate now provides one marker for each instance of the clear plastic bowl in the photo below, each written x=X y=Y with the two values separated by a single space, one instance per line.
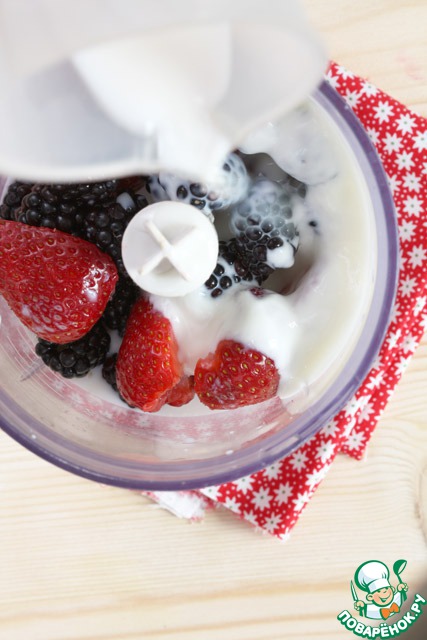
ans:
x=116 y=445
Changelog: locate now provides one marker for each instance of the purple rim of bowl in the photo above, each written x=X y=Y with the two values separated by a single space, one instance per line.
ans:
x=276 y=446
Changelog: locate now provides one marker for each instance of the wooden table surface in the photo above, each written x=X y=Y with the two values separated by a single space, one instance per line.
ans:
x=79 y=561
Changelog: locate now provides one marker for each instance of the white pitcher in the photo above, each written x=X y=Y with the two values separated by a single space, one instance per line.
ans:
x=91 y=89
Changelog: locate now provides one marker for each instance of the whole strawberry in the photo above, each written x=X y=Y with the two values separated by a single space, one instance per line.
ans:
x=148 y=371
x=56 y=284
x=235 y=376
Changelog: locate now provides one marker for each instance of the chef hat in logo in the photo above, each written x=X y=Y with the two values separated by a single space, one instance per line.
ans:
x=372 y=575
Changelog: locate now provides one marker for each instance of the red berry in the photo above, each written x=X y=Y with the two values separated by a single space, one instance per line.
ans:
x=235 y=376
x=56 y=284
x=147 y=366
x=182 y=392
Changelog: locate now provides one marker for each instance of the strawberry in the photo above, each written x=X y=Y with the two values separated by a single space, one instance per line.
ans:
x=182 y=392
x=148 y=371
x=56 y=284
x=235 y=376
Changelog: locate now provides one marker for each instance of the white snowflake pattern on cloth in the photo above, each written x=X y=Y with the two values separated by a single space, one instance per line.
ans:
x=373 y=134
x=211 y=492
x=419 y=305
x=424 y=322
x=425 y=168
x=409 y=344
x=407 y=286
x=250 y=516
x=417 y=256
x=395 y=313
x=283 y=493
x=393 y=183
x=353 y=406
x=406 y=123
x=273 y=470
x=332 y=79
x=392 y=142
x=402 y=365
x=406 y=230
x=420 y=141
x=355 y=440
x=412 y=182
x=302 y=500
x=369 y=90
x=262 y=498
x=383 y=111
x=404 y=160
x=363 y=401
x=352 y=98
x=329 y=429
x=298 y=460
x=272 y=523
x=244 y=484
x=393 y=338
x=376 y=381
x=344 y=73
x=325 y=450
x=366 y=413
x=413 y=205
x=232 y=504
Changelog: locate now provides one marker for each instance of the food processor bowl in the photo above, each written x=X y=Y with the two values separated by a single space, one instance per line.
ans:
x=113 y=444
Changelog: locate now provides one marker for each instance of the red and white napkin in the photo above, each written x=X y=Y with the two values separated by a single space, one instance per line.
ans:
x=274 y=498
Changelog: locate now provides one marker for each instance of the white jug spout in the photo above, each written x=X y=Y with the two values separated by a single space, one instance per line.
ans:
x=157 y=90
x=97 y=89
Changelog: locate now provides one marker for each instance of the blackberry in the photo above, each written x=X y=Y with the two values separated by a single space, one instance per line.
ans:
x=232 y=187
x=231 y=268
x=109 y=375
x=105 y=225
x=119 y=307
x=109 y=371
x=62 y=206
x=44 y=207
x=86 y=194
x=76 y=359
x=13 y=199
x=265 y=228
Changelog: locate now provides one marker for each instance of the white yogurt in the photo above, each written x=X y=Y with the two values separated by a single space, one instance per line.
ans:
x=310 y=332
x=264 y=323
